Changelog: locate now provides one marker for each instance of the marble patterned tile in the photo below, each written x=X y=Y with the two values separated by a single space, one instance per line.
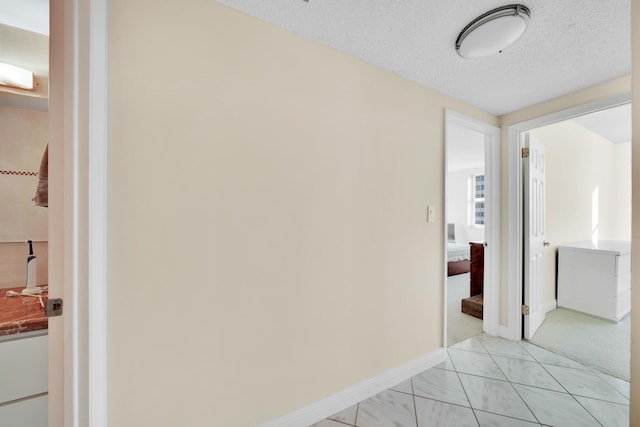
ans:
x=404 y=387
x=503 y=347
x=471 y=344
x=487 y=419
x=621 y=385
x=585 y=383
x=475 y=364
x=433 y=413
x=526 y=372
x=554 y=408
x=609 y=414
x=440 y=385
x=447 y=365
x=495 y=396
x=329 y=423
x=545 y=356
x=389 y=408
x=348 y=416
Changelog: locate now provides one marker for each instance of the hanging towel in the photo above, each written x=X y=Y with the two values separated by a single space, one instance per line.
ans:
x=42 y=191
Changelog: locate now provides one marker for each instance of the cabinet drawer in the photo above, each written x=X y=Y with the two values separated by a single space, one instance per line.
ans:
x=623 y=283
x=623 y=304
x=23 y=368
x=623 y=264
x=26 y=413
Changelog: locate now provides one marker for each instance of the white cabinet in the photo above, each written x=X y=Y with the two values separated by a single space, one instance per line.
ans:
x=24 y=381
x=595 y=278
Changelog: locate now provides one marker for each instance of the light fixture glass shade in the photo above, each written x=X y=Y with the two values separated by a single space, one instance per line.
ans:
x=492 y=32
x=13 y=76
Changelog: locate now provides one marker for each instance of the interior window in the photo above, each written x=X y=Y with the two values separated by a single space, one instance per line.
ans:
x=478 y=201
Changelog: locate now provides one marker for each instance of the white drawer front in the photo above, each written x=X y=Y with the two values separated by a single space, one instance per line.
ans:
x=623 y=283
x=623 y=303
x=624 y=264
x=26 y=413
x=24 y=368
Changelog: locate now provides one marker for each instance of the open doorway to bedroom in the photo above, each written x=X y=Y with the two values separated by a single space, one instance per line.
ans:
x=465 y=227
x=472 y=220
x=586 y=286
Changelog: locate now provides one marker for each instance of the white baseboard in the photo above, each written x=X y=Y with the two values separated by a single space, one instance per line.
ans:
x=344 y=399
x=509 y=333
x=512 y=334
x=551 y=305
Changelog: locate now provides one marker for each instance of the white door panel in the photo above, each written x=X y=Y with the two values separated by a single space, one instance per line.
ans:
x=534 y=234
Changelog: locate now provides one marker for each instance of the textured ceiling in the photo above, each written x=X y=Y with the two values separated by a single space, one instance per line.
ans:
x=569 y=45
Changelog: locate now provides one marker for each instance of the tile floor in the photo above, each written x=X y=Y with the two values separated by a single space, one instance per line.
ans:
x=490 y=382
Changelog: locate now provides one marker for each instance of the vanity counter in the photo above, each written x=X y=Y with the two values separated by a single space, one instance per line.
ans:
x=21 y=313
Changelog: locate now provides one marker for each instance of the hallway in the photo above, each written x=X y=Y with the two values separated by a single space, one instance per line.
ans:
x=489 y=381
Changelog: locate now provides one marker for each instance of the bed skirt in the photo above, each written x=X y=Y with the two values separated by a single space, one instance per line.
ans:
x=458 y=267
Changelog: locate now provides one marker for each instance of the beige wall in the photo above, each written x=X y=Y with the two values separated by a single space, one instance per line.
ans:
x=586 y=176
x=23 y=136
x=458 y=205
x=13 y=263
x=267 y=236
x=622 y=177
x=594 y=93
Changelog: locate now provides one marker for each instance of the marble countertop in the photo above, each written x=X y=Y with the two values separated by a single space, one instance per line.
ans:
x=21 y=314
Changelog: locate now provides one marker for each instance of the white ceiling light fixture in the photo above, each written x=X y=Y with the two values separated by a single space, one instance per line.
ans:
x=493 y=31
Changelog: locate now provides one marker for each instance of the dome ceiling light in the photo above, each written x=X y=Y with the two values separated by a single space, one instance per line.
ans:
x=493 y=31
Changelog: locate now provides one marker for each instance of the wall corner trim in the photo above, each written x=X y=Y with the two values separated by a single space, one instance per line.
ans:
x=330 y=405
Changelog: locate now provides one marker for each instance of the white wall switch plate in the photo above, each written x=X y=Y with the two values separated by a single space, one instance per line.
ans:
x=431 y=214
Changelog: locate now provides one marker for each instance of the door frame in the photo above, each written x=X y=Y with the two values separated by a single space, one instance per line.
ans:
x=491 y=309
x=515 y=232
x=78 y=107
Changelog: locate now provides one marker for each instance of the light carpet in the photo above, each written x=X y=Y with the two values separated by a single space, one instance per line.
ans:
x=595 y=342
x=460 y=326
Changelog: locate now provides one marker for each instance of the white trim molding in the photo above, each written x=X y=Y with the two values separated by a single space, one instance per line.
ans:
x=515 y=236
x=78 y=212
x=97 y=199
x=344 y=399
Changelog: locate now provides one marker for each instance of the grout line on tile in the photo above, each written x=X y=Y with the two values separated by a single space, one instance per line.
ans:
x=600 y=400
x=473 y=411
x=586 y=368
x=507 y=416
x=588 y=411
x=514 y=389
x=415 y=409
x=443 y=401
x=525 y=404
x=355 y=422
x=340 y=422
x=482 y=376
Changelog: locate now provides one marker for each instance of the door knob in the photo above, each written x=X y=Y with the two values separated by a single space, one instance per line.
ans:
x=546 y=243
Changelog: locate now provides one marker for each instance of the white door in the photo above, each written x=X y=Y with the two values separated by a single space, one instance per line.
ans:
x=534 y=234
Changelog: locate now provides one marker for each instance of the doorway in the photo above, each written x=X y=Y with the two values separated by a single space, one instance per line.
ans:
x=24 y=128
x=587 y=205
x=471 y=228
